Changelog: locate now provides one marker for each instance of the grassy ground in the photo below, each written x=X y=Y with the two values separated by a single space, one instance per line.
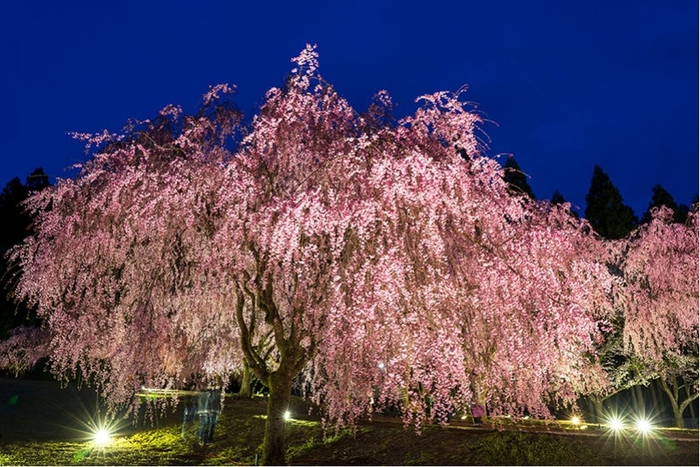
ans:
x=239 y=435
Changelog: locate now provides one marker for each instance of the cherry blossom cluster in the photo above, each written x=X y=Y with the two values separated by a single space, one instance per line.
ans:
x=373 y=262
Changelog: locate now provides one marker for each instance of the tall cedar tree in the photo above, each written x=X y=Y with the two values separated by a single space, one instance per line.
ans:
x=661 y=197
x=605 y=211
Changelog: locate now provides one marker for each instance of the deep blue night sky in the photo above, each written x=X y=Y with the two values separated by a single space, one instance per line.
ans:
x=570 y=84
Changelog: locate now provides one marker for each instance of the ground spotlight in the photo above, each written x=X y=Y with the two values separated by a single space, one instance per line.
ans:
x=287 y=415
x=615 y=424
x=615 y=421
x=643 y=426
x=102 y=437
x=101 y=432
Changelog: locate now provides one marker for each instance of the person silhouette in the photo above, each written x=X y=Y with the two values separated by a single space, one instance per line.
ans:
x=478 y=411
x=208 y=409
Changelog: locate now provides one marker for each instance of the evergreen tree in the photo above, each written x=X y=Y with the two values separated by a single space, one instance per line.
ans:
x=661 y=197
x=605 y=210
x=684 y=209
x=37 y=180
x=516 y=178
x=16 y=222
x=558 y=199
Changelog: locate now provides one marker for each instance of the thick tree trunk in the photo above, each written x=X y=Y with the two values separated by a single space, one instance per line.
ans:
x=677 y=415
x=246 y=390
x=599 y=411
x=277 y=404
x=292 y=358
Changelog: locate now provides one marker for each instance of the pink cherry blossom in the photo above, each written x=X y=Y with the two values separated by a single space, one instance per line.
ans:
x=324 y=244
x=661 y=271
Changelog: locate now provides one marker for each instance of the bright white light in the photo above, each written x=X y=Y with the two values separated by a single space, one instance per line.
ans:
x=287 y=415
x=102 y=437
x=575 y=420
x=615 y=424
x=380 y=365
x=643 y=425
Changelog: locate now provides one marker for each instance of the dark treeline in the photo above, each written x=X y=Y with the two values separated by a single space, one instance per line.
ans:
x=16 y=224
x=605 y=208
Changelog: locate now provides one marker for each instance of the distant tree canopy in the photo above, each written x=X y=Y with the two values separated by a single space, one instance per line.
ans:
x=605 y=210
x=16 y=227
x=661 y=197
x=15 y=222
x=516 y=178
x=558 y=200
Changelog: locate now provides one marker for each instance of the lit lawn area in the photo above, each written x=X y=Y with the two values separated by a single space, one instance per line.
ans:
x=384 y=441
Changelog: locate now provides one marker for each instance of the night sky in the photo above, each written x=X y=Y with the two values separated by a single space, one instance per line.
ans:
x=569 y=84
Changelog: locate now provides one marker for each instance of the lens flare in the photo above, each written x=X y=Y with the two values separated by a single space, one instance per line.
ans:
x=101 y=432
x=102 y=437
x=615 y=424
x=643 y=426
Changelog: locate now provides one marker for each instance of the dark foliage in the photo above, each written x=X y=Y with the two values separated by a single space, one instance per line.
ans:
x=605 y=210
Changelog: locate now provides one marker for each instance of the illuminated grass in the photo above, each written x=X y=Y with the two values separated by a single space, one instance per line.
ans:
x=239 y=435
